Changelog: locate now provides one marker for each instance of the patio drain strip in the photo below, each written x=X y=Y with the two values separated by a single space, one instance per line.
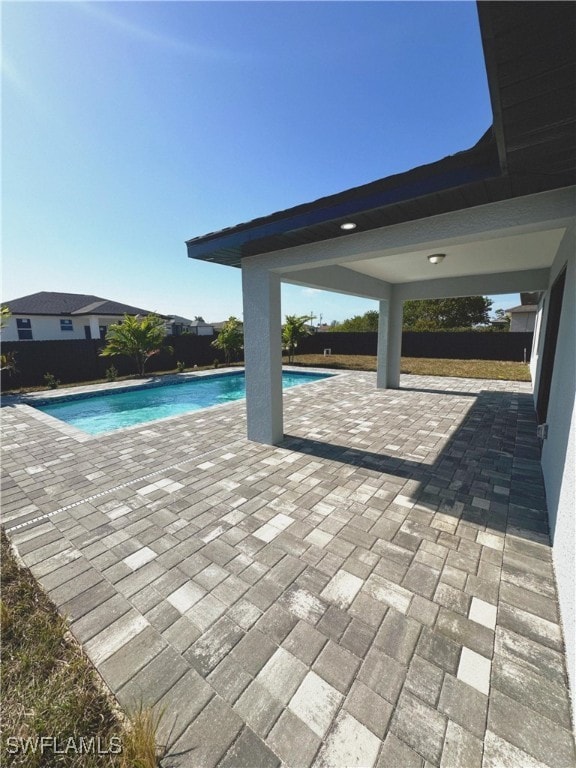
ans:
x=128 y=483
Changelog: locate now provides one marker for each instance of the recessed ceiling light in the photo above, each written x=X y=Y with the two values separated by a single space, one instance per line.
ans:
x=348 y=225
x=436 y=258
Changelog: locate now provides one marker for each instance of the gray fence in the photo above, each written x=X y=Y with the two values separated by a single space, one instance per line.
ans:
x=78 y=360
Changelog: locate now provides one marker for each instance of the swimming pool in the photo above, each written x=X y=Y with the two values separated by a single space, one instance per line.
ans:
x=97 y=414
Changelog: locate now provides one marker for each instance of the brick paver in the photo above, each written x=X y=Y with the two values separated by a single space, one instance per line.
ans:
x=376 y=591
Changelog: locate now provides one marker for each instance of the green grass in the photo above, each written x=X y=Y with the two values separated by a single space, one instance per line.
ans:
x=422 y=366
x=50 y=689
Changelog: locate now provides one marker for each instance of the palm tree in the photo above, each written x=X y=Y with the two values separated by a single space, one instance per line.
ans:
x=294 y=330
x=230 y=339
x=137 y=337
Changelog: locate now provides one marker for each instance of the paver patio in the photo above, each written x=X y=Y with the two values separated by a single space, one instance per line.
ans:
x=377 y=591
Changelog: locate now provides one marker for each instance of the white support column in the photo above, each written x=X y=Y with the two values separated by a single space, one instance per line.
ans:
x=382 y=353
x=389 y=343
x=263 y=354
x=94 y=327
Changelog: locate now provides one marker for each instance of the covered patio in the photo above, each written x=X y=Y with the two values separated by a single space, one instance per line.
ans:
x=377 y=590
x=499 y=217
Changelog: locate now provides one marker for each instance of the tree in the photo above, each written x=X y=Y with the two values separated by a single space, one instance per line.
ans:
x=359 y=323
x=230 y=339
x=446 y=314
x=137 y=337
x=502 y=319
x=294 y=330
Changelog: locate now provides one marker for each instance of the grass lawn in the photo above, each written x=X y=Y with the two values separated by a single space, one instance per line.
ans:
x=424 y=366
x=50 y=689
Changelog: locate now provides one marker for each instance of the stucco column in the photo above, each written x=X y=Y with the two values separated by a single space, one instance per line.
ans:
x=389 y=343
x=262 y=354
x=94 y=327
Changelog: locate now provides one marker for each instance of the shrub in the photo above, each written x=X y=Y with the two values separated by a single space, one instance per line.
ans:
x=51 y=381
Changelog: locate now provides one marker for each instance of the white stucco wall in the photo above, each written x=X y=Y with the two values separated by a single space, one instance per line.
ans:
x=522 y=322
x=262 y=353
x=558 y=452
x=47 y=327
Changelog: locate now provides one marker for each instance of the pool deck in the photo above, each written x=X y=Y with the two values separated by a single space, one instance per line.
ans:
x=376 y=591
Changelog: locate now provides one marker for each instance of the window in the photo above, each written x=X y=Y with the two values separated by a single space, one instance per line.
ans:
x=24 y=326
x=66 y=325
x=550 y=343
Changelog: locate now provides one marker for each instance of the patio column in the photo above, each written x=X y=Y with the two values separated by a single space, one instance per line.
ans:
x=262 y=354
x=389 y=343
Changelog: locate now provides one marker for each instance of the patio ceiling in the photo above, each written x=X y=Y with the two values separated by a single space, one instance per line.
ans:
x=527 y=251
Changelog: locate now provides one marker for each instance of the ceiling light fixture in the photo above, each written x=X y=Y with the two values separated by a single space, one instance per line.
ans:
x=348 y=225
x=436 y=258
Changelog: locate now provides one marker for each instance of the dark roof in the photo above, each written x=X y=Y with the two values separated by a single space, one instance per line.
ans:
x=386 y=201
x=52 y=303
x=530 y=55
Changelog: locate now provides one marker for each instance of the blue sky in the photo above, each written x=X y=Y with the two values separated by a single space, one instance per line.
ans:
x=129 y=127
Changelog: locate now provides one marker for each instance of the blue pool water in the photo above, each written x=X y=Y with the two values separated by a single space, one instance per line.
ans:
x=115 y=410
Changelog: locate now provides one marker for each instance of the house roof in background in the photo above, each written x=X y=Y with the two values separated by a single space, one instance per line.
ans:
x=54 y=303
x=530 y=56
x=523 y=308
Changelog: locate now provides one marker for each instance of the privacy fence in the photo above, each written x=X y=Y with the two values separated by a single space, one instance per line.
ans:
x=461 y=345
x=78 y=360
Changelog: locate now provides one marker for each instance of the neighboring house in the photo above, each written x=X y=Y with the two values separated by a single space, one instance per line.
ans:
x=218 y=326
x=523 y=317
x=200 y=328
x=498 y=218
x=177 y=325
x=51 y=316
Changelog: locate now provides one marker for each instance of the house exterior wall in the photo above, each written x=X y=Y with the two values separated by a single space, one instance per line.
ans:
x=47 y=327
x=558 y=450
x=522 y=321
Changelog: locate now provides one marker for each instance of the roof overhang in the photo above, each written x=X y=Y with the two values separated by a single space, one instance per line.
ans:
x=530 y=149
